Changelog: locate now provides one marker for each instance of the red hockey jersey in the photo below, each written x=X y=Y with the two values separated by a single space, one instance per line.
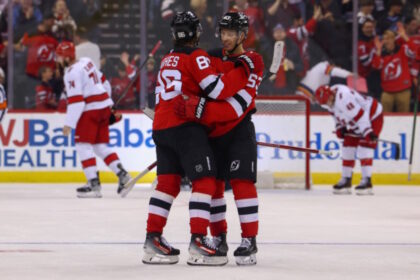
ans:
x=395 y=72
x=188 y=71
x=45 y=98
x=222 y=117
x=365 y=52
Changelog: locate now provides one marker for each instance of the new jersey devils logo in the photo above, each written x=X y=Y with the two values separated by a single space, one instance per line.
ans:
x=45 y=54
x=393 y=69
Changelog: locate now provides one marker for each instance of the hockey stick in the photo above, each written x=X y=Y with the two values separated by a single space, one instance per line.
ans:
x=395 y=144
x=130 y=184
x=413 y=133
x=134 y=79
x=294 y=148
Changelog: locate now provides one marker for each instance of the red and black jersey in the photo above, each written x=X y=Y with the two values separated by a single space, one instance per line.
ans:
x=41 y=52
x=395 y=72
x=45 y=97
x=118 y=85
x=365 y=52
x=188 y=71
x=222 y=117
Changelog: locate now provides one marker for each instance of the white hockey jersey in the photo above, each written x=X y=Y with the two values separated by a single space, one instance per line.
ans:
x=319 y=75
x=3 y=102
x=354 y=111
x=85 y=90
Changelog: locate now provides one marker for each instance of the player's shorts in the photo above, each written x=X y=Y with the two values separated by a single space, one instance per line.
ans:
x=93 y=127
x=184 y=150
x=377 y=123
x=236 y=152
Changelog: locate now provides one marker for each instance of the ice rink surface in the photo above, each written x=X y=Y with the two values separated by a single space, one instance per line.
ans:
x=47 y=233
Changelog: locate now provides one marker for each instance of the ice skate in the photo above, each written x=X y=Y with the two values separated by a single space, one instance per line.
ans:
x=220 y=242
x=245 y=254
x=91 y=190
x=343 y=186
x=158 y=251
x=365 y=187
x=123 y=178
x=204 y=252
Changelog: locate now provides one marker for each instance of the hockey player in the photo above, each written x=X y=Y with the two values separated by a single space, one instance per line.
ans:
x=89 y=113
x=3 y=98
x=232 y=138
x=359 y=121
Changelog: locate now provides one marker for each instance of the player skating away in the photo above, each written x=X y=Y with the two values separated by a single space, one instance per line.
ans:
x=89 y=113
x=359 y=121
x=182 y=146
x=232 y=138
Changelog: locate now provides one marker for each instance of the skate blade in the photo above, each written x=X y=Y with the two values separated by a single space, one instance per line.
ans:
x=126 y=188
x=365 y=192
x=153 y=258
x=89 y=195
x=246 y=260
x=346 y=191
x=201 y=260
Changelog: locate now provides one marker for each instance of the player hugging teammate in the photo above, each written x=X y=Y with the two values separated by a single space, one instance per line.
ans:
x=183 y=147
x=89 y=113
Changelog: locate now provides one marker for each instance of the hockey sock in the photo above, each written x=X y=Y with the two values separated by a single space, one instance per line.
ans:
x=87 y=158
x=202 y=191
x=160 y=203
x=110 y=158
x=366 y=160
x=246 y=200
x=218 y=223
x=348 y=157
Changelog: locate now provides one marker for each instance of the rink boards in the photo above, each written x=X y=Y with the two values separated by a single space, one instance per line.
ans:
x=33 y=149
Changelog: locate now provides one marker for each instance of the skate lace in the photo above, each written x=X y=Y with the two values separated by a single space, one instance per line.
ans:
x=217 y=240
x=209 y=243
x=246 y=242
x=165 y=242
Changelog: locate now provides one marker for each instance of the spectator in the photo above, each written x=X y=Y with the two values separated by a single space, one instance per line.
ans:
x=151 y=82
x=64 y=25
x=365 y=11
x=25 y=18
x=119 y=84
x=199 y=7
x=256 y=22
x=394 y=15
x=85 y=48
x=365 y=53
x=286 y=80
x=44 y=96
x=300 y=32
x=392 y=60
x=411 y=26
x=279 y=11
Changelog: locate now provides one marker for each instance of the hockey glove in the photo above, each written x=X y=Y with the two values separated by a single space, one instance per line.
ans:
x=114 y=117
x=341 y=132
x=245 y=62
x=190 y=107
x=371 y=137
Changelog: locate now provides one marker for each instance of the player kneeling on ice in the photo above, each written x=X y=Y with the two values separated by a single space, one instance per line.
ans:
x=359 y=121
x=89 y=113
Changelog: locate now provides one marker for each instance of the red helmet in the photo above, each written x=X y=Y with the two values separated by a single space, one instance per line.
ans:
x=322 y=94
x=66 y=49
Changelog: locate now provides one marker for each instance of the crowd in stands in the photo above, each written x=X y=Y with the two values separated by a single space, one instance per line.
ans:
x=312 y=30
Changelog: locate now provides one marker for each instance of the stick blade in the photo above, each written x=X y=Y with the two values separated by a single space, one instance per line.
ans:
x=149 y=112
x=128 y=187
x=277 y=57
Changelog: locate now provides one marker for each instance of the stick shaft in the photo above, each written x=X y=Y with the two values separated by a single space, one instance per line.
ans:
x=134 y=79
x=294 y=148
x=413 y=133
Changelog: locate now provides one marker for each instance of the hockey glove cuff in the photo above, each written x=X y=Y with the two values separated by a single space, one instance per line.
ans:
x=114 y=117
x=190 y=107
x=245 y=62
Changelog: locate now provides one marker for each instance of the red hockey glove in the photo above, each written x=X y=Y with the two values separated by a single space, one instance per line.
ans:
x=190 y=107
x=114 y=117
x=341 y=132
x=371 y=137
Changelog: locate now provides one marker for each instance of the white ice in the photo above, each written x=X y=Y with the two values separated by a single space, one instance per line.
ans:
x=47 y=233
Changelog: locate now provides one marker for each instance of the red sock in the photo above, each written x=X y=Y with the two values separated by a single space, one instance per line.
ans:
x=246 y=200
x=202 y=191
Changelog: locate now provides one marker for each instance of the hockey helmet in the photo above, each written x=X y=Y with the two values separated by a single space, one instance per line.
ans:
x=234 y=20
x=323 y=93
x=185 y=26
x=66 y=49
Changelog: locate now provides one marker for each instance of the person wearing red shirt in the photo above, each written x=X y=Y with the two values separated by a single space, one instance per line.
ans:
x=118 y=85
x=45 y=97
x=393 y=60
